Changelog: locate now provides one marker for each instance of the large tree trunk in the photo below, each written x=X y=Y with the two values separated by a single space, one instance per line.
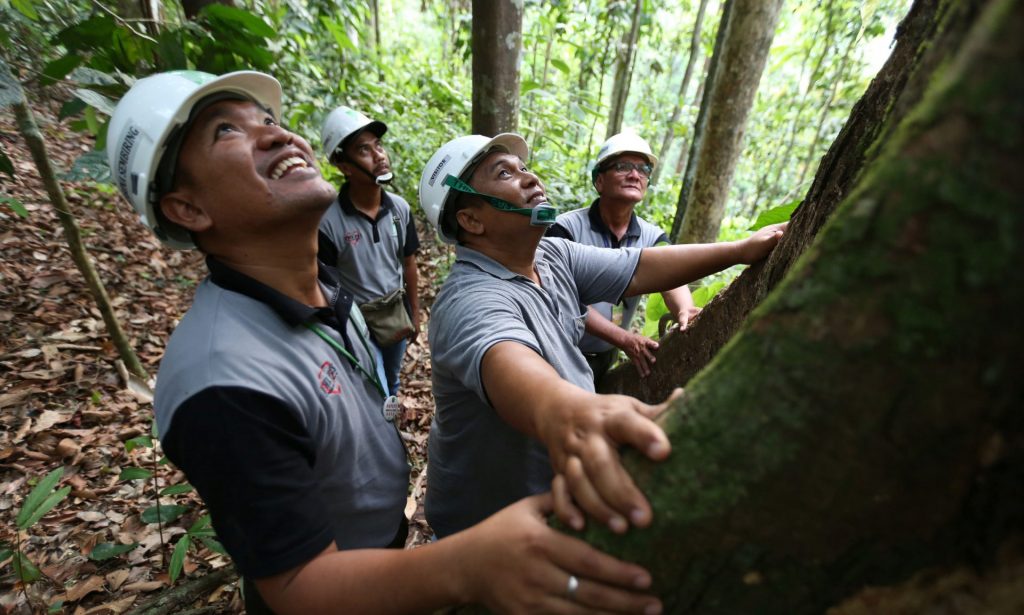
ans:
x=751 y=28
x=689 y=159
x=691 y=61
x=497 y=45
x=624 y=72
x=865 y=422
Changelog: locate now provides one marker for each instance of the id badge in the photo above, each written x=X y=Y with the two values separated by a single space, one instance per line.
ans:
x=392 y=406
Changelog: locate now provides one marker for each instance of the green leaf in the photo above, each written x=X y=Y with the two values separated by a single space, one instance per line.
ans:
x=775 y=215
x=96 y=100
x=214 y=545
x=15 y=205
x=6 y=166
x=202 y=527
x=176 y=489
x=25 y=8
x=656 y=308
x=247 y=21
x=37 y=496
x=528 y=85
x=89 y=167
x=71 y=107
x=24 y=569
x=134 y=473
x=560 y=65
x=140 y=441
x=5 y=554
x=165 y=513
x=56 y=607
x=55 y=498
x=107 y=550
x=59 y=68
x=703 y=295
x=178 y=557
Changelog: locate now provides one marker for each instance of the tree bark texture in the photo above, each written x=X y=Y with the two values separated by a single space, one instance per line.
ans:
x=624 y=72
x=497 y=47
x=920 y=47
x=700 y=124
x=34 y=139
x=691 y=61
x=865 y=422
x=750 y=32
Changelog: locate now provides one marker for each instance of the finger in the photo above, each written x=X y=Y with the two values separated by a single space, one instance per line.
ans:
x=598 y=597
x=637 y=429
x=613 y=484
x=588 y=498
x=592 y=567
x=565 y=510
x=641 y=364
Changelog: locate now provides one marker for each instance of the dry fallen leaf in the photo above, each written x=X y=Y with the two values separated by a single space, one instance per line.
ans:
x=82 y=588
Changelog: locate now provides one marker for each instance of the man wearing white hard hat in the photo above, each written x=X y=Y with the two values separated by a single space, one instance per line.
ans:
x=620 y=175
x=372 y=236
x=516 y=410
x=267 y=397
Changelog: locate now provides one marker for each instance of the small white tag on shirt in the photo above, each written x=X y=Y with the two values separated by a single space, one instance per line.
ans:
x=391 y=408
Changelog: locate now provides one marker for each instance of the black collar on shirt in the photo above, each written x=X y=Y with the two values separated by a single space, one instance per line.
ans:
x=295 y=313
x=598 y=226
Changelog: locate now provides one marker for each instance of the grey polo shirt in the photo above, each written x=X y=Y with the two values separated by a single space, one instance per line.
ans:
x=585 y=226
x=368 y=252
x=478 y=463
x=280 y=435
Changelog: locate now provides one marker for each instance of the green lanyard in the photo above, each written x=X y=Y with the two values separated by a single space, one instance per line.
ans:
x=374 y=378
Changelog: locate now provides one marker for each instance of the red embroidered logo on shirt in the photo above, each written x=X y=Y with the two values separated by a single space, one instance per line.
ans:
x=328 y=378
x=353 y=237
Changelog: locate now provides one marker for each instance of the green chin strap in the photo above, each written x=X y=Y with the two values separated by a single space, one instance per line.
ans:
x=541 y=215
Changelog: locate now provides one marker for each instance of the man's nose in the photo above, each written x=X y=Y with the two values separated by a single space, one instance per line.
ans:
x=275 y=136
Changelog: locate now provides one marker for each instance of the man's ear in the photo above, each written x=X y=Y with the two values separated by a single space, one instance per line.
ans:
x=179 y=207
x=469 y=221
x=599 y=183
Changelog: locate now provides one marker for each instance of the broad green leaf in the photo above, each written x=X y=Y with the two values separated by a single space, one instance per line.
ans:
x=528 y=85
x=703 y=295
x=15 y=205
x=774 y=215
x=59 y=68
x=245 y=20
x=134 y=473
x=90 y=34
x=178 y=557
x=96 y=100
x=176 y=489
x=5 y=554
x=107 y=550
x=54 y=498
x=6 y=166
x=560 y=65
x=56 y=607
x=140 y=441
x=202 y=527
x=91 y=166
x=37 y=496
x=213 y=545
x=25 y=8
x=24 y=569
x=656 y=308
x=165 y=513
x=71 y=107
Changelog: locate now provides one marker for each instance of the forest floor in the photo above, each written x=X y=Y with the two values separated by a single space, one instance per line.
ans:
x=65 y=402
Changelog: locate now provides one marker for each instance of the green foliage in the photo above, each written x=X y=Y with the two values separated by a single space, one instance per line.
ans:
x=163 y=513
x=41 y=499
x=15 y=205
x=106 y=550
x=774 y=215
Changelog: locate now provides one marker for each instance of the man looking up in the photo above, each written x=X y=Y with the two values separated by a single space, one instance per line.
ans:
x=515 y=401
x=372 y=235
x=267 y=398
x=620 y=175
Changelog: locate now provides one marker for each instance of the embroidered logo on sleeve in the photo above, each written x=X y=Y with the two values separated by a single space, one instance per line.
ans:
x=328 y=378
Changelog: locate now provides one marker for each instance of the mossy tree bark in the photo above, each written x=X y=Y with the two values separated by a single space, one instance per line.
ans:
x=865 y=421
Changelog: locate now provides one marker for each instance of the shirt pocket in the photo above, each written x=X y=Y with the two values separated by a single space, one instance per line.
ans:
x=574 y=323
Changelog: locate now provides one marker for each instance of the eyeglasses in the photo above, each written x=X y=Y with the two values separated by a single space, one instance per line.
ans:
x=623 y=168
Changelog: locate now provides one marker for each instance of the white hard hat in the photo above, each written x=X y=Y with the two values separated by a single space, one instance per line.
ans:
x=623 y=143
x=344 y=122
x=454 y=158
x=148 y=121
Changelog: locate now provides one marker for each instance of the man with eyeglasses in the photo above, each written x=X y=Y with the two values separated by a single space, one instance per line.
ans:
x=621 y=175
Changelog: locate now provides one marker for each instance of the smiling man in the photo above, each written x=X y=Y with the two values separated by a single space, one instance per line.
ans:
x=372 y=236
x=515 y=401
x=621 y=176
x=267 y=397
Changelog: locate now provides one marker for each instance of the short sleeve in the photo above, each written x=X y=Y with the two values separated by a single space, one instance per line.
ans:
x=601 y=274
x=252 y=463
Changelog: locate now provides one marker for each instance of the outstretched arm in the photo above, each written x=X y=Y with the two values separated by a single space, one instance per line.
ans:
x=679 y=302
x=664 y=267
x=511 y=562
x=581 y=431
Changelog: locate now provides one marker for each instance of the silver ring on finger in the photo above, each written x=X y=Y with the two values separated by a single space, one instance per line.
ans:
x=571 y=587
